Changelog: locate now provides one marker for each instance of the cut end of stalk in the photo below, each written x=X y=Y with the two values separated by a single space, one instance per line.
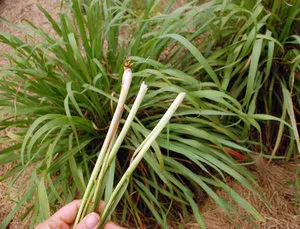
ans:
x=144 y=86
x=180 y=97
x=127 y=64
x=127 y=77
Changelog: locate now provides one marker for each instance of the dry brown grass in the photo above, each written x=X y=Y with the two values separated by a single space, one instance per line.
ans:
x=279 y=212
x=9 y=196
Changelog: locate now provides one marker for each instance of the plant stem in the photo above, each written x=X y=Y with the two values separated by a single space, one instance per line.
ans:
x=116 y=146
x=120 y=188
x=126 y=81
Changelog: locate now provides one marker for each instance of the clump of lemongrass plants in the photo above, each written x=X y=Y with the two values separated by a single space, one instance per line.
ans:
x=58 y=96
x=261 y=70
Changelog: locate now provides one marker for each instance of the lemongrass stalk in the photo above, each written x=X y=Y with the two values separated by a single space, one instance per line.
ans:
x=116 y=146
x=121 y=186
x=127 y=124
x=126 y=81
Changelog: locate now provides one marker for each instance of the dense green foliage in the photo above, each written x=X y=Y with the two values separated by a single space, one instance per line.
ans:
x=237 y=61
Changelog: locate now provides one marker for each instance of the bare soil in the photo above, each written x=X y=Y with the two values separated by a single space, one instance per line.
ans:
x=275 y=181
x=16 y=11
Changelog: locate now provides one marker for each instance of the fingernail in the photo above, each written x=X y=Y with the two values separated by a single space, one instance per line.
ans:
x=92 y=220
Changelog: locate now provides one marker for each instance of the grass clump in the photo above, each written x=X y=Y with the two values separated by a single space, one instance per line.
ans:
x=59 y=95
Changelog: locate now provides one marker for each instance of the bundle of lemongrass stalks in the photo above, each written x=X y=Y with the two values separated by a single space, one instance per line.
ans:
x=96 y=187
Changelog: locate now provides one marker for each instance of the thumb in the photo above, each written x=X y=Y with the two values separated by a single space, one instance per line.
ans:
x=89 y=222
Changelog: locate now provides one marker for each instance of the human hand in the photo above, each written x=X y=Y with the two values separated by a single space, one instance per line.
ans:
x=65 y=218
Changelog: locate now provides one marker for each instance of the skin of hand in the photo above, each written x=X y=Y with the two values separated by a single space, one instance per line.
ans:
x=65 y=218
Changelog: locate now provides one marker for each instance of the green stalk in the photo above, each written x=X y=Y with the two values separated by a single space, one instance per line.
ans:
x=126 y=81
x=279 y=133
x=122 y=185
x=116 y=146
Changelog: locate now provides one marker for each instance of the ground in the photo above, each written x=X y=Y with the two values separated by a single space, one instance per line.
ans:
x=275 y=181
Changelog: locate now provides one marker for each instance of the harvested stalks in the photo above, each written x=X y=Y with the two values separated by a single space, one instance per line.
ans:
x=95 y=189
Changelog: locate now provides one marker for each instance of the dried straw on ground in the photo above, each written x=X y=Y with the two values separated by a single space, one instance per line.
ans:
x=277 y=187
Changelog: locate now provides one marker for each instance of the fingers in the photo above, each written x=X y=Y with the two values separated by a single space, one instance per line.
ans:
x=92 y=220
x=62 y=218
x=68 y=213
x=89 y=222
x=108 y=225
x=66 y=216
x=111 y=225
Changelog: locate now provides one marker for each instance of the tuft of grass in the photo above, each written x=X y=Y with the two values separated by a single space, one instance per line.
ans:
x=229 y=57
